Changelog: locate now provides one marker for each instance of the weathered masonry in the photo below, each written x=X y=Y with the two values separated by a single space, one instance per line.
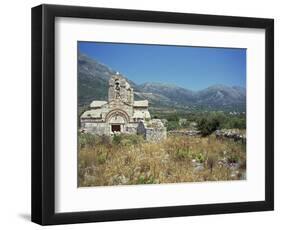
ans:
x=121 y=114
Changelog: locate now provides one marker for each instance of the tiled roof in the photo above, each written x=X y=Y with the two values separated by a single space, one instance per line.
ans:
x=143 y=103
x=141 y=114
x=93 y=113
x=97 y=104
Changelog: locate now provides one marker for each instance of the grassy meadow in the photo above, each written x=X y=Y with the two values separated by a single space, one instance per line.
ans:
x=129 y=159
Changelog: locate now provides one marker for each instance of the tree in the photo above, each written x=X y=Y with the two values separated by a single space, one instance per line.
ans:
x=208 y=125
x=173 y=117
x=172 y=125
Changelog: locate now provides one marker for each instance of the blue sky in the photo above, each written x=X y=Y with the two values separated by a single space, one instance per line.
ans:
x=193 y=68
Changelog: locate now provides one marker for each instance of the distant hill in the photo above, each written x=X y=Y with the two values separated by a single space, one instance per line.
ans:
x=93 y=85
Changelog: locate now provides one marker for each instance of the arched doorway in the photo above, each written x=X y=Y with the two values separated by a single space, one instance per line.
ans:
x=117 y=119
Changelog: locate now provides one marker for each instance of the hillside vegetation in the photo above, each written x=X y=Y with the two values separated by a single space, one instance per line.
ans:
x=93 y=85
x=206 y=123
x=129 y=159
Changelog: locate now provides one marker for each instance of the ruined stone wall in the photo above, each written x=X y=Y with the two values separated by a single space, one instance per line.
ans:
x=155 y=134
x=96 y=128
x=141 y=128
x=131 y=128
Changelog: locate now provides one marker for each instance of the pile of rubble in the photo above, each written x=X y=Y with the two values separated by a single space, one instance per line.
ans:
x=185 y=132
x=234 y=134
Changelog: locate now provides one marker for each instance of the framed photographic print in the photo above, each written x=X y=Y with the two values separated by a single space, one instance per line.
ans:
x=142 y=114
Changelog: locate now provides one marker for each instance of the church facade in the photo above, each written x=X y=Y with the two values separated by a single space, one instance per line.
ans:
x=121 y=114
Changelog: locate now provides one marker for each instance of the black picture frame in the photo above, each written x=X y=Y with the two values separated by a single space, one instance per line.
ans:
x=43 y=114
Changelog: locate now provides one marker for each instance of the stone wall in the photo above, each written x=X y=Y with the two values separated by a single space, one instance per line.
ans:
x=235 y=134
x=131 y=128
x=155 y=134
x=141 y=128
x=153 y=130
x=96 y=128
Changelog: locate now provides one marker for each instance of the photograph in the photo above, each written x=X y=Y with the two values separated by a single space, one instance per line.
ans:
x=154 y=114
x=148 y=113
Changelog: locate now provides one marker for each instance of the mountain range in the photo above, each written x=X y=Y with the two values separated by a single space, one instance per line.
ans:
x=93 y=79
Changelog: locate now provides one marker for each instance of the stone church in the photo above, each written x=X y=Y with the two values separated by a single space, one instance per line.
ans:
x=121 y=114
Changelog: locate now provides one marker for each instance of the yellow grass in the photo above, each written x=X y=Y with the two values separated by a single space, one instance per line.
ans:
x=132 y=160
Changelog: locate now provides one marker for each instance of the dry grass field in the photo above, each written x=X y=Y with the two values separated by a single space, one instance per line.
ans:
x=130 y=160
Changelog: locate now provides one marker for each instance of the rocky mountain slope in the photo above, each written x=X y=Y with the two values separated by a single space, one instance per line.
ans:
x=93 y=84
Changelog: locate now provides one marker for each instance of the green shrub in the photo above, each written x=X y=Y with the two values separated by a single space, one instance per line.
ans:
x=172 y=125
x=200 y=157
x=173 y=117
x=232 y=159
x=208 y=126
x=87 y=139
x=101 y=157
x=182 y=153
x=117 y=139
x=105 y=140
x=146 y=180
x=127 y=139
x=237 y=123
x=132 y=139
